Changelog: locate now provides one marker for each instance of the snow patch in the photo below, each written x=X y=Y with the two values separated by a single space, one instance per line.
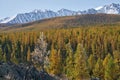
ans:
x=98 y=7
x=9 y=19
x=112 y=12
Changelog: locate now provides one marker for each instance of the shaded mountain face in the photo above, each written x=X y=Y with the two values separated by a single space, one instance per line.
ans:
x=39 y=15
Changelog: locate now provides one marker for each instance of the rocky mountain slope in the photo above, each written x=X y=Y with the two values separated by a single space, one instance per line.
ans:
x=39 y=14
x=66 y=22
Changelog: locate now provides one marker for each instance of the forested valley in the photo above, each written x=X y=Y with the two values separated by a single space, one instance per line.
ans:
x=76 y=53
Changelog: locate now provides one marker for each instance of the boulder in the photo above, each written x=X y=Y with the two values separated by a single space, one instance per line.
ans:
x=22 y=72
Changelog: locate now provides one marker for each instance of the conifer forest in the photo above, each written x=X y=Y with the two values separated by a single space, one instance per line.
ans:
x=77 y=53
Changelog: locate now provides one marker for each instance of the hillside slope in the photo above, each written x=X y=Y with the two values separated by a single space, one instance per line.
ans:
x=66 y=22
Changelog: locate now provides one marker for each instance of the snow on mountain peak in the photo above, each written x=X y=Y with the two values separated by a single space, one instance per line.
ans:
x=110 y=9
x=8 y=19
x=98 y=7
x=36 y=11
x=43 y=14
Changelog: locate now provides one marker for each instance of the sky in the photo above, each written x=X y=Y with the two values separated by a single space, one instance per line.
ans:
x=12 y=7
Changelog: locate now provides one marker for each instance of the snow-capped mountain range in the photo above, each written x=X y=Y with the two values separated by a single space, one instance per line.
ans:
x=39 y=14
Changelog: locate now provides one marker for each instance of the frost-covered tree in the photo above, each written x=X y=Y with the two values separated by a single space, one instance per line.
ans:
x=40 y=54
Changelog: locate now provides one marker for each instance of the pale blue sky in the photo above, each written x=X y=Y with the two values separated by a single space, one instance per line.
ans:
x=12 y=7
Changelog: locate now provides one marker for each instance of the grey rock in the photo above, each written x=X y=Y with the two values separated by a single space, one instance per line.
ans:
x=22 y=72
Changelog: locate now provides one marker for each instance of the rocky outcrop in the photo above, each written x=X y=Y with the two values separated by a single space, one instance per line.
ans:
x=10 y=71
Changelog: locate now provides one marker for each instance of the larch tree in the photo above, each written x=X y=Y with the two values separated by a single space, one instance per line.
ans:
x=13 y=55
x=18 y=51
x=1 y=54
x=81 y=68
x=98 y=71
x=116 y=55
x=110 y=73
x=55 y=62
x=106 y=59
x=69 y=68
x=91 y=64
x=8 y=52
x=28 y=55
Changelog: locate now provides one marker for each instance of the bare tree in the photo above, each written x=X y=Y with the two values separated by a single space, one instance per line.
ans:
x=40 y=54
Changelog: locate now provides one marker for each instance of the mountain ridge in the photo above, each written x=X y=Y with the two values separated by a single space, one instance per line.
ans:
x=86 y=20
x=40 y=14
